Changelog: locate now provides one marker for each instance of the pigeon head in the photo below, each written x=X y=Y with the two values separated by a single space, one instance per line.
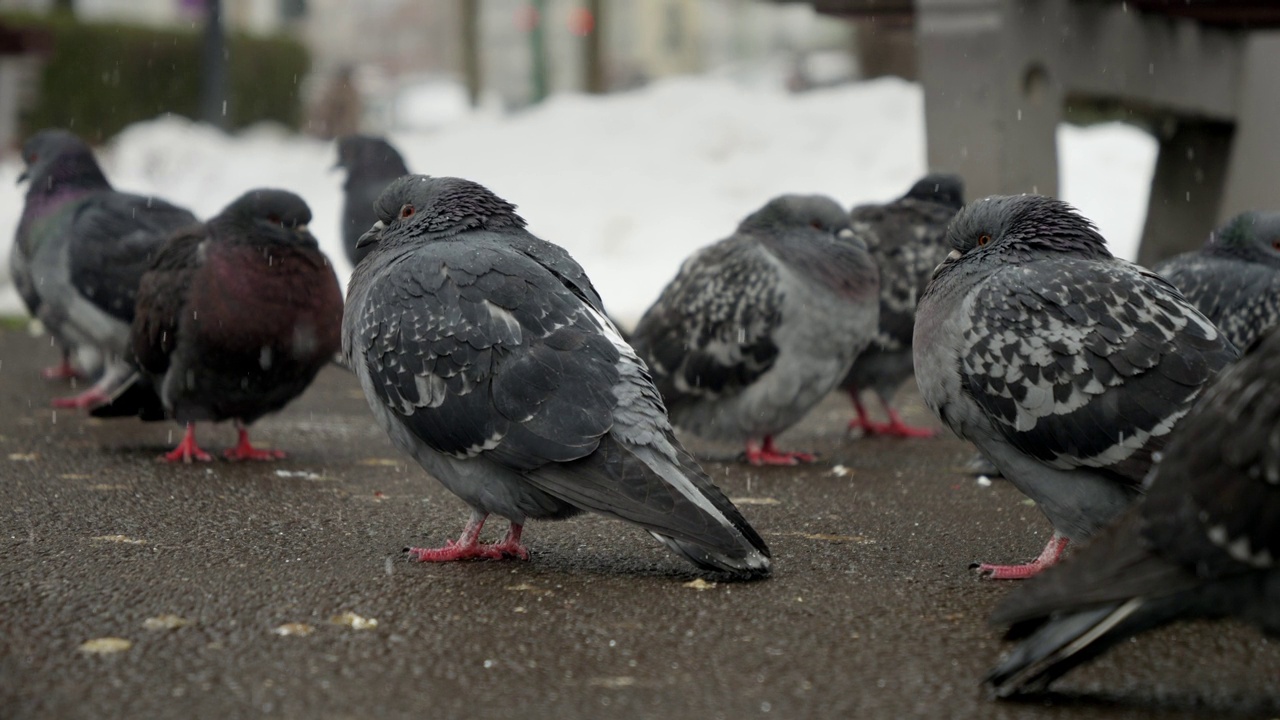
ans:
x=273 y=215
x=1250 y=236
x=795 y=212
x=421 y=208
x=59 y=158
x=1011 y=228
x=941 y=188
x=361 y=154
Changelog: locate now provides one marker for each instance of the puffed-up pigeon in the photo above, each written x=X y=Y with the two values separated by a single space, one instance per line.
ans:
x=371 y=164
x=486 y=355
x=1235 y=278
x=757 y=328
x=234 y=320
x=908 y=239
x=1066 y=366
x=1203 y=542
x=80 y=249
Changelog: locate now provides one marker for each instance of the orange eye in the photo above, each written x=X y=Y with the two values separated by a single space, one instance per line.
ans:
x=815 y=225
x=983 y=240
x=407 y=211
x=1275 y=244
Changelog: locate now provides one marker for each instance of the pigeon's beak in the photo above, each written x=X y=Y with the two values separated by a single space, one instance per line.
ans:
x=372 y=236
x=24 y=176
x=845 y=234
x=953 y=256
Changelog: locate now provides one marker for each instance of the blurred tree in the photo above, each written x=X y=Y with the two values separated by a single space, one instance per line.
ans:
x=590 y=24
x=538 y=47
x=213 y=66
x=469 y=12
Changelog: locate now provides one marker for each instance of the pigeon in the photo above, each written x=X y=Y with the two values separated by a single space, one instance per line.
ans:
x=1202 y=543
x=1066 y=366
x=234 y=320
x=80 y=251
x=1235 y=278
x=485 y=354
x=907 y=238
x=371 y=164
x=757 y=328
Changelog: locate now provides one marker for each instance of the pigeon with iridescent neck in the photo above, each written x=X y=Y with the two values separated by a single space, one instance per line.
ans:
x=1066 y=366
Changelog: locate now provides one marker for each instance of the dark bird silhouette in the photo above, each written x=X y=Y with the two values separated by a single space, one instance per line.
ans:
x=371 y=164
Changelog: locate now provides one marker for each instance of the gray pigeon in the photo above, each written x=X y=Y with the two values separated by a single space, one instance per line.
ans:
x=235 y=318
x=1066 y=366
x=1203 y=542
x=80 y=251
x=757 y=328
x=371 y=164
x=485 y=354
x=1235 y=278
x=907 y=238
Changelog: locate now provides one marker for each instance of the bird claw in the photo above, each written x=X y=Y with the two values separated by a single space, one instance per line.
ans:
x=186 y=454
x=90 y=398
x=761 y=457
x=453 y=551
x=898 y=429
x=62 y=371
x=249 y=452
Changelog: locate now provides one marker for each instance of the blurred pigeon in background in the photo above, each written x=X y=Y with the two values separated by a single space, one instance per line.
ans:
x=757 y=328
x=485 y=354
x=80 y=250
x=1203 y=542
x=1235 y=278
x=1066 y=366
x=371 y=164
x=234 y=320
x=908 y=239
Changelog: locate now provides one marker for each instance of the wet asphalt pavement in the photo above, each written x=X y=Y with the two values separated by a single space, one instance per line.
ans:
x=251 y=589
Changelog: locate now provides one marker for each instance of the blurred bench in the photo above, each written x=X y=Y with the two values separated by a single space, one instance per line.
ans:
x=1204 y=75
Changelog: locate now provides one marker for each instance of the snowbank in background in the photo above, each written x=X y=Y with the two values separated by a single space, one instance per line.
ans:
x=629 y=183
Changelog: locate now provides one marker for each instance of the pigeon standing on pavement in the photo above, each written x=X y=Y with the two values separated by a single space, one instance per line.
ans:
x=371 y=164
x=1066 y=366
x=485 y=354
x=1203 y=542
x=908 y=239
x=234 y=320
x=1235 y=278
x=757 y=328
x=80 y=250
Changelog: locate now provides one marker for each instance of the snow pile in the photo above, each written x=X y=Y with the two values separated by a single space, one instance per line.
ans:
x=629 y=183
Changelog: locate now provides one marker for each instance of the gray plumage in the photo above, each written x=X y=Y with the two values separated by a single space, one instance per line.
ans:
x=371 y=164
x=485 y=354
x=1235 y=278
x=757 y=328
x=1203 y=542
x=907 y=238
x=81 y=250
x=1066 y=366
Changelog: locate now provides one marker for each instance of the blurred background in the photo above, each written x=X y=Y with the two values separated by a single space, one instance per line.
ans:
x=634 y=131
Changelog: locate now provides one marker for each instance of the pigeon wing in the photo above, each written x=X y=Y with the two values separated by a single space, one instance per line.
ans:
x=1081 y=364
x=162 y=294
x=711 y=330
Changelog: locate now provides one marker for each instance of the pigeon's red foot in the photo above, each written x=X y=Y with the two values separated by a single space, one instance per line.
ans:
x=894 y=428
x=187 y=450
x=1049 y=556
x=62 y=371
x=766 y=454
x=469 y=547
x=244 y=450
x=91 y=398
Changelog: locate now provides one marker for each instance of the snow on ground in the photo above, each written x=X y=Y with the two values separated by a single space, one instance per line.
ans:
x=629 y=183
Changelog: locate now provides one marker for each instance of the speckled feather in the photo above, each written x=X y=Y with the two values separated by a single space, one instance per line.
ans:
x=743 y=341
x=907 y=238
x=486 y=355
x=1204 y=542
x=1235 y=279
x=1067 y=367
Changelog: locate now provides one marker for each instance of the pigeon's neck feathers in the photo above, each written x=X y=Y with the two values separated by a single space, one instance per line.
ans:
x=1250 y=237
x=462 y=209
x=68 y=173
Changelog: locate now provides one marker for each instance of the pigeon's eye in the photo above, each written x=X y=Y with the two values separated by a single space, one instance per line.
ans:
x=34 y=157
x=274 y=219
x=406 y=211
x=984 y=240
x=816 y=225
x=1275 y=244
